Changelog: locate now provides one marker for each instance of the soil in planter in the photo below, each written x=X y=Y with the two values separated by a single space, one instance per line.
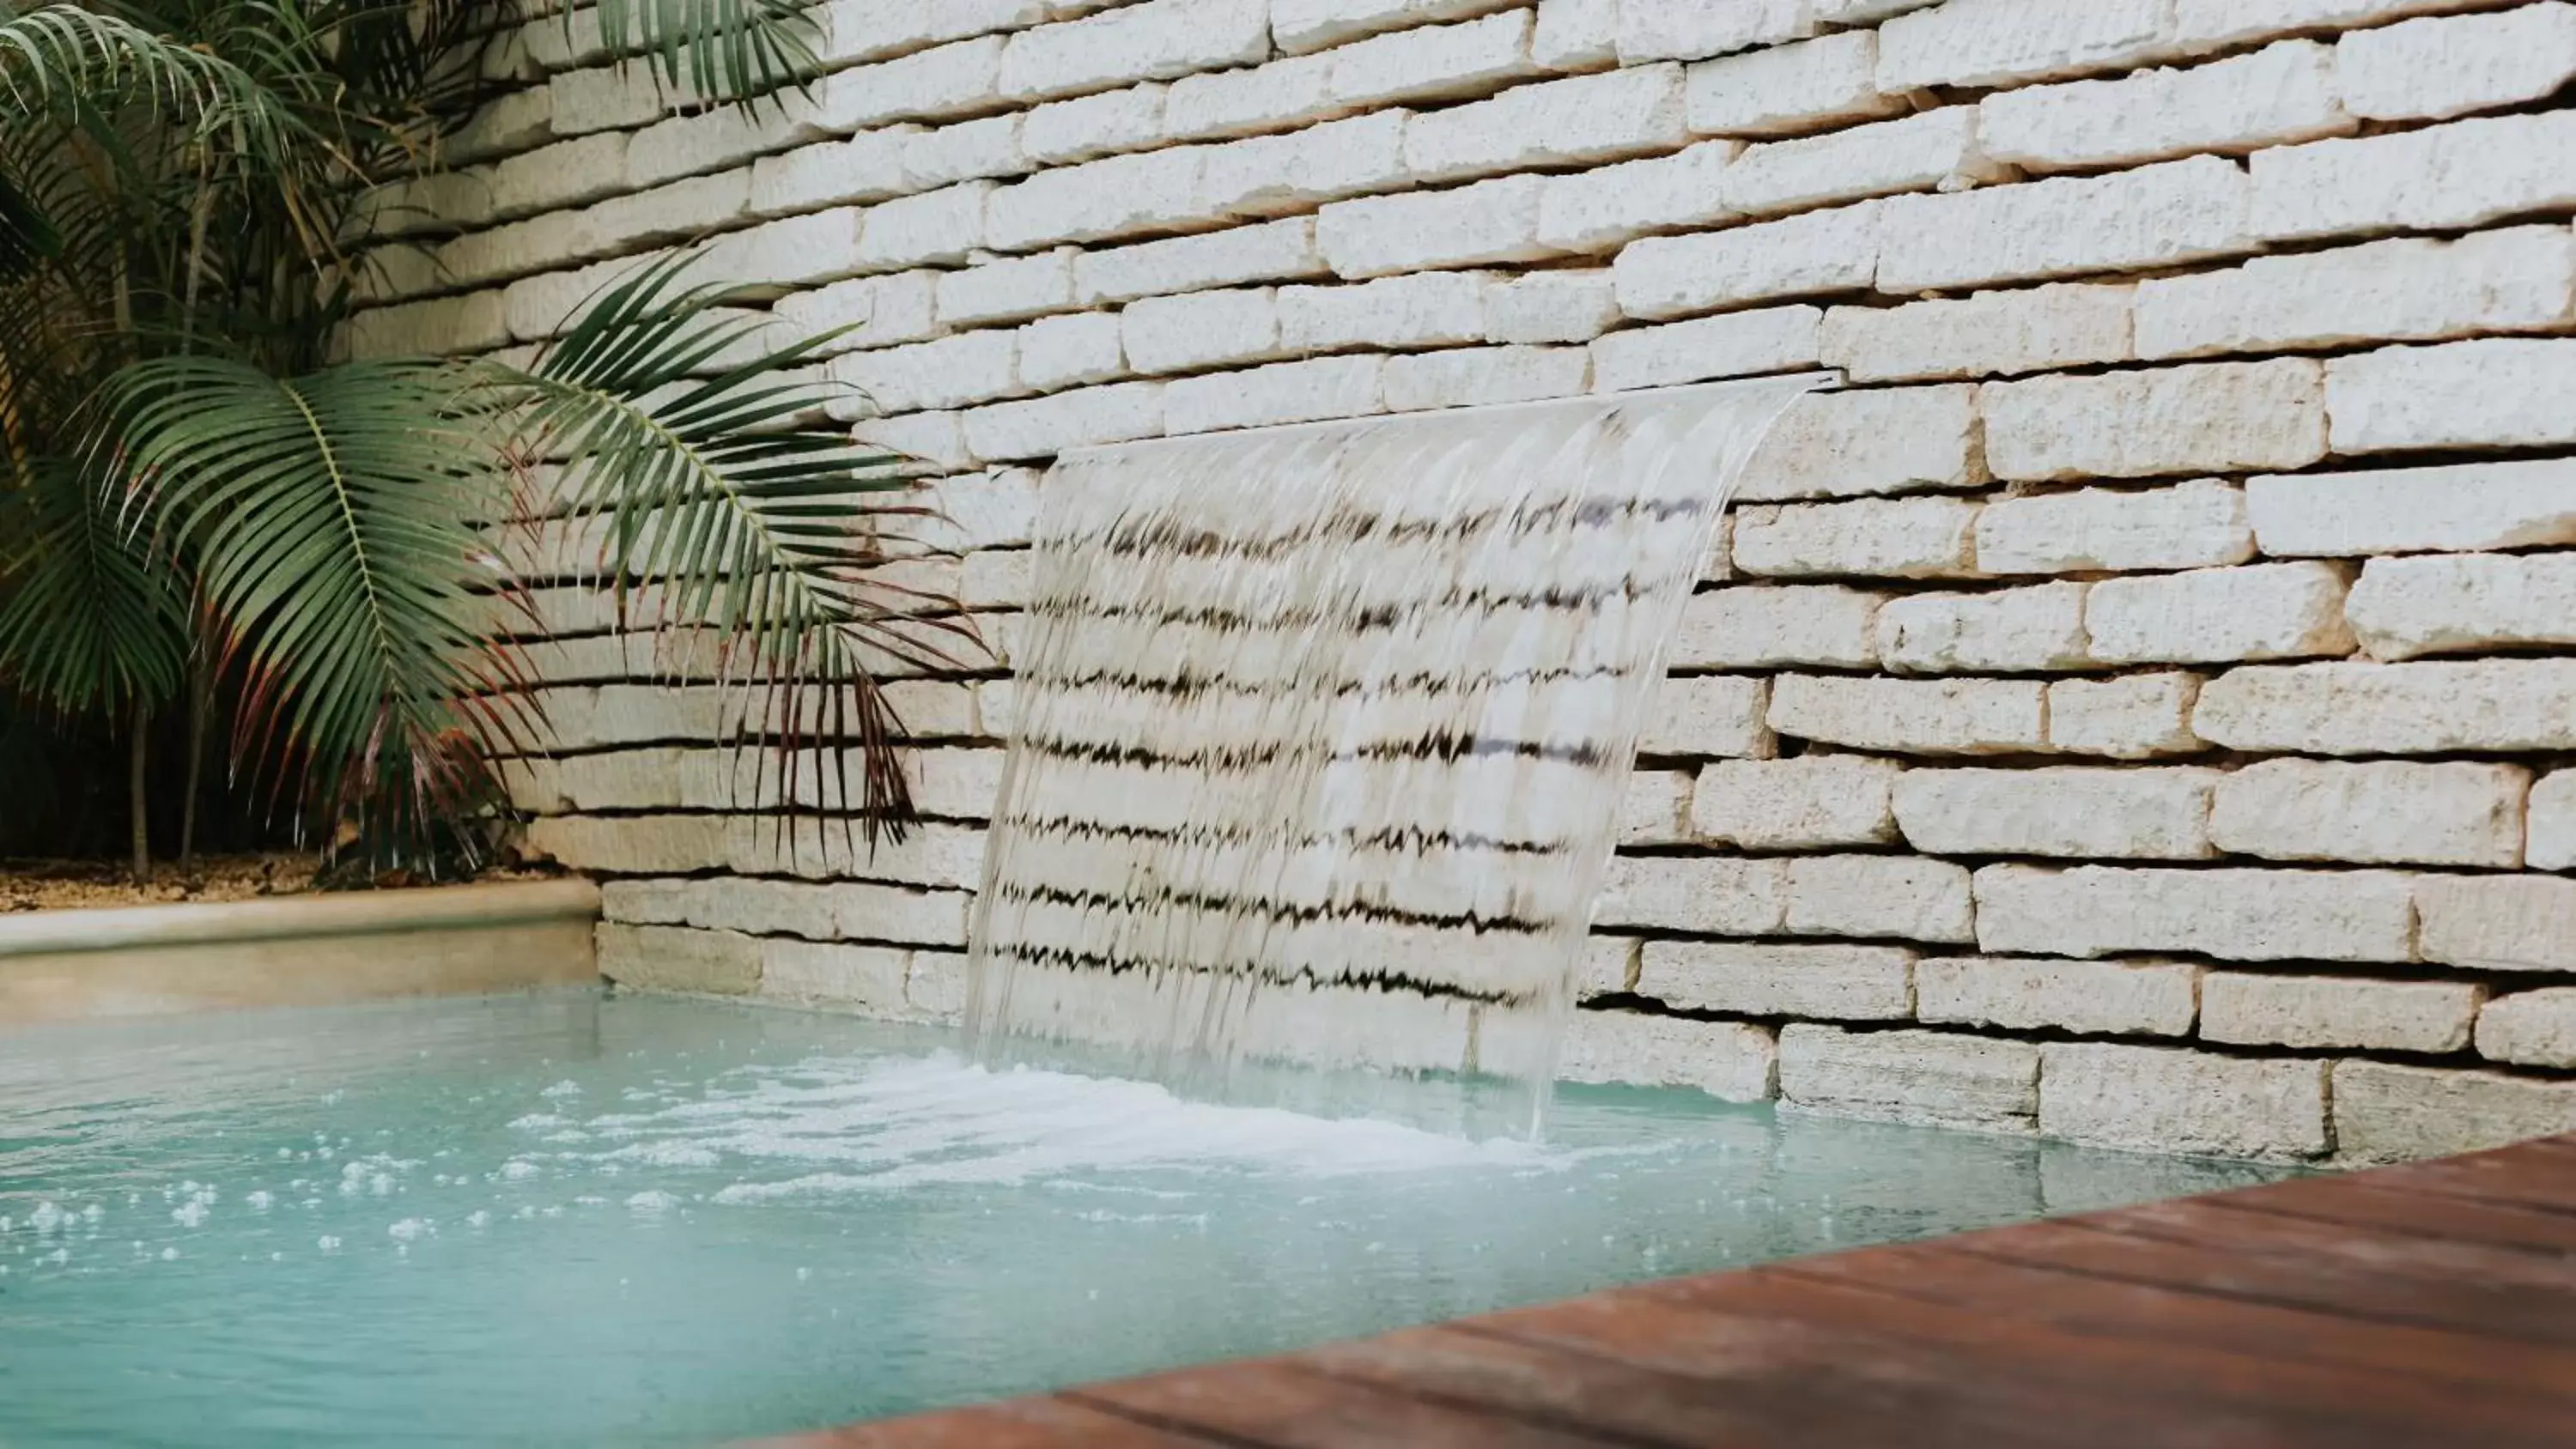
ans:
x=64 y=885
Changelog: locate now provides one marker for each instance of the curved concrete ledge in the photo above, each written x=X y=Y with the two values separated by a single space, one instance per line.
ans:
x=296 y=951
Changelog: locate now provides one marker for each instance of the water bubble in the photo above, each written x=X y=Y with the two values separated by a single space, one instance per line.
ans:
x=45 y=1219
x=478 y=1219
x=410 y=1228
x=652 y=1202
x=327 y=1243
x=169 y=1255
x=259 y=1201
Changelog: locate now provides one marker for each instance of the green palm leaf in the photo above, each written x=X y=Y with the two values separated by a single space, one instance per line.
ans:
x=727 y=50
x=63 y=60
x=88 y=621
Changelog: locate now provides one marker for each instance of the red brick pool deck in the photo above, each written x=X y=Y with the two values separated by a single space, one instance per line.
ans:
x=2433 y=1304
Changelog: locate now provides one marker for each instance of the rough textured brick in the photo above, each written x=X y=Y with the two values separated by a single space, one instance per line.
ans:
x=1656 y=808
x=1287 y=392
x=1007 y=291
x=1099 y=200
x=1491 y=221
x=2499 y=923
x=2090 y=998
x=1590 y=118
x=1755 y=628
x=1739 y=344
x=2155 y=216
x=2552 y=838
x=971 y=367
x=2265 y=611
x=2467 y=507
x=2447 y=177
x=2212 y=417
x=2237 y=915
x=1847 y=444
x=2385 y=1113
x=956 y=79
x=2008 y=631
x=1304 y=25
x=1060 y=352
x=2530 y=1028
x=2423 y=708
x=2492 y=393
x=1277 y=251
x=2338 y=1012
x=2138 y=717
x=857 y=30
x=2405 y=607
x=447 y=325
x=1705 y=715
x=1446 y=62
x=1082 y=418
x=879 y=311
x=2436 y=69
x=1913 y=716
x=1546 y=307
x=1086 y=129
x=2385 y=811
x=2076 y=812
x=568 y=173
x=792 y=908
x=1880 y=896
x=1278 y=175
x=2226 y=22
x=1918 y=153
x=1838 y=983
x=1597 y=210
x=1896 y=537
x=1202 y=329
x=2518 y=280
x=866 y=167
x=1922 y=1078
x=1999 y=42
x=2170 y=1100
x=2099 y=530
x=1429 y=309
x=1789 y=89
x=1154 y=40
x=1690 y=29
x=1485 y=377
x=1800 y=804
x=669 y=958
x=1226 y=103
x=2042 y=329
x=1610 y=965
x=964 y=151
x=937 y=228
x=1818 y=253
x=2282 y=94
x=1728 y=1060
x=1716 y=896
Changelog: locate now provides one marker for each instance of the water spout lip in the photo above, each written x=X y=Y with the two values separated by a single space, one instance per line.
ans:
x=1820 y=380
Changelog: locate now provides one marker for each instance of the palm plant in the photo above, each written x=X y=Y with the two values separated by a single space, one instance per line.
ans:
x=199 y=505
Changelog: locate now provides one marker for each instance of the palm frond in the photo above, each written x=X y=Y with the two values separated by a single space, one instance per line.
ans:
x=88 y=621
x=721 y=50
x=63 y=59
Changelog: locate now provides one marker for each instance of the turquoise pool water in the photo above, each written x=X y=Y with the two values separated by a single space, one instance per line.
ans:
x=571 y=1220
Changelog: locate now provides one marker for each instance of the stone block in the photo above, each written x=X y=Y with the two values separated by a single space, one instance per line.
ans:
x=2165 y=1099
x=2499 y=923
x=1757 y=628
x=2552 y=835
x=2449 y=177
x=1701 y=716
x=1116 y=196
x=1485 y=377
x=1864 y=12
x=1651 y=30
x=1279 y=175
x=1820 y=253
x=1427 y=309
x=1603 y=208
x=2275 y=96
x=1202 y=329
x=935 y=438
x=860 y=30
x=1739 y=344
x=1061 y=352
x=1656 y=808
x=1308 y=25
x=1543 y=307
x=1581 y=120
x=999 y=579
x=1986 y=43
x=866 y=167
x=2385 y=1113
x=2424 y=708
x=2235 y=915
x=2380 y=812
x=2461 y=508
x=672 y=958
x=1788 y=90
x=2229 y=22
x=1152 y=40
x=1435 y=63
x=1913 y=538
x=2530 y=1028
x=823 y=247
x=1880 y=896
x=1921 y=1078
x=1277 y=251
x=2076 y=812
x=2141 y=220
x=2488 y=393
x=2262 y=611
x=2522 y=279
x=1063 y=133
x=869 y=979
x=2192 y=525
x=841 y=911
x=1491 y=221
x=2434 y=69
x=1837 y=983
x=1936 y=149
x=1715 y=895
x=1856 y=444
x=1576 y=35
x=959 y=371
x=1729 y=1060
x=877 y=311
x=2405 y=607
x=964 y=151
x=1012 y=290
x=1218 y=105
x=1083 y=418
x=958 y=79
x=630 y=845
x=2088 y=998
x=1326 y=388
x=1913 y=716
x=2135 y=717
x=2040 y=329
x=2206 y=418
x=509 y=123
x=443 y=326
x=2338 y=1012
x=1609 y=966
x=1802 y=804
x=2008 y=631
x=609 y=98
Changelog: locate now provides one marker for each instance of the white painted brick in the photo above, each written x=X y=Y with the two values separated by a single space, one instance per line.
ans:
x=1153 y=40
x=1277 y=251
x=1790 y=89
x=2003 y=42
x=2499 y=923
x=949 y=80
x=2282 y=94
x=2168 y=1100
x=1919 y=153
x=1655 y=809
x=1596 y=210
x=2454 y=176
x=1227 y=103
x=1099 y=200
x=958 y=371
x=881 y=311
x=866 y=167
x=2224 y=22
x=1287 y=392
x=2530 y=1028
x=1754 y=628
x=1584 y=119
x=2435 y=69
x=1540 y=307
x=2199 y=524
x=2467 y=507
x=1820 y=252
x=1428 y=309
x=2429 y=707
x=1913 y=716
x=1083 y=418
x=936 y=228
x=1576 y=34
x=1912 y=538
x=2385 y=1113
x=2136 y=717
x=2155 y=216
x=1090 y=127
x=1691 y=29
x=1918 y=1078
x=2235 y=915
x=966 y=151
x=2205 y=418
x=663 y=958
x=1011 y=290
x=996 y=509
x=1058 y=352
x=1880 y=896
x=1729 y=1060
x=1739 y=344
x=508 y=124
x=2553 y=822
x=1840 y=983
x=857 y=30
x=997 y=579
x=568 y=173
x=2493 y=393
x=2404 y=289
x=1447 y=62
x=1704 y=715
x=1800 y=804
x=2338 y=1012
x=1485 y=377
x=1863 y=12
x=2008 y=631
x=1304 y=25
x=2090 y=998
x=1202 y=329
x=2042 y=329
x=1847 y=444
x=1491 y=221
x=1712 y=895
x=2074 y=812
x=2405 y=607
x=938 y=438
x=1271 y=175
x=618 y=98
x=2263 y=611
x=2377 y=812
x=711 y=141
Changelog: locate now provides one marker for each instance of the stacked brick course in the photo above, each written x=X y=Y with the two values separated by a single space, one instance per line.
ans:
x=2139 y=709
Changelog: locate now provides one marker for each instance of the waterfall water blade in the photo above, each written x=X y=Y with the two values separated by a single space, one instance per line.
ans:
x=1321 y=735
